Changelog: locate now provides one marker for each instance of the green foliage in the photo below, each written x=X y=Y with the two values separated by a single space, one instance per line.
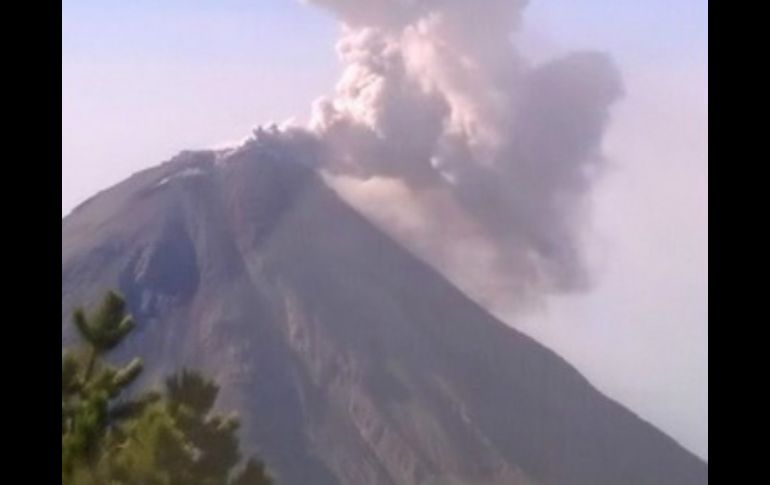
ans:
x=190 y=392
x=107 y=326
x=89 y=386
x=169 y=438
x=153 y=451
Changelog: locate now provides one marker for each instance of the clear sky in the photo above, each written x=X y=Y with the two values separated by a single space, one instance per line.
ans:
x=142 y=80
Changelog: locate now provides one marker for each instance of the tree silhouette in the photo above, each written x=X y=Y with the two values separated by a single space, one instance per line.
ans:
x=90 y=387
x=105 y=329
x=169 y=438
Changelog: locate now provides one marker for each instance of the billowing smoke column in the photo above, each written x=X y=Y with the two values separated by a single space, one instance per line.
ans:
x=479 y=162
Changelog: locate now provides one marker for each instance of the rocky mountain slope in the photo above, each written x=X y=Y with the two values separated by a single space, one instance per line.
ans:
x=350 y=361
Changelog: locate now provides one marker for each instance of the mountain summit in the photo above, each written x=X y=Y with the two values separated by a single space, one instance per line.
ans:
x=350 y=361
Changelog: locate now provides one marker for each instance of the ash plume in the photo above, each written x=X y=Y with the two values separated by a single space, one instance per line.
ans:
x=478 y=161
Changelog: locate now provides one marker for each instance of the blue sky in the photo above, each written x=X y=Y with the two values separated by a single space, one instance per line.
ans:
x=651 y=30
x=224 y=65
x=183 y=32
x=142 y=80
x=229 y=30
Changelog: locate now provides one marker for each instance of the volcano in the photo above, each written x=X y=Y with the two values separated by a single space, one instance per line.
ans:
x=349 y=360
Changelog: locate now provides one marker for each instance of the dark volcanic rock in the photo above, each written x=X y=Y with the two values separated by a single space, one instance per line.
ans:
x=350 y=361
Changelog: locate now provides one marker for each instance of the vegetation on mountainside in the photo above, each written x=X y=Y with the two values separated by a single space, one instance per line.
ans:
x=170 y=437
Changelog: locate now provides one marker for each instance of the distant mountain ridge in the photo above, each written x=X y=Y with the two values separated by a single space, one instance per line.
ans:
x=350 y=361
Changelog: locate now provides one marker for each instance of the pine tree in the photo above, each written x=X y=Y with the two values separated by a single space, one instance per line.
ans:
x=190 y=399
x=169 y=438
x=90 y=388
x=106 y=328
